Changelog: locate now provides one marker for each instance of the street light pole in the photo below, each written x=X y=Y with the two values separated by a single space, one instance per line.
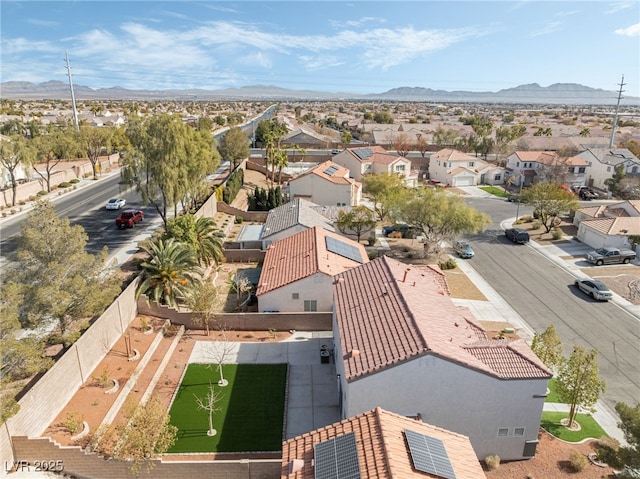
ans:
x=519 y=196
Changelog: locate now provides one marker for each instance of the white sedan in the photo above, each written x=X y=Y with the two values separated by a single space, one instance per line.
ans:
x=115 y=203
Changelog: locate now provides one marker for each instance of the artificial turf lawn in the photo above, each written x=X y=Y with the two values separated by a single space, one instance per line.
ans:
x=589 y=427
x=251 y=408
x=495 y=191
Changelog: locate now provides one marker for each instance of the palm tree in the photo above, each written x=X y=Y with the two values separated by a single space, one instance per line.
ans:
x=170 y=272
x=208 y=247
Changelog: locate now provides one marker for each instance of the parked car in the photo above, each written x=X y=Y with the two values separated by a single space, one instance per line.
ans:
x=596 y=289
x=335 y=152
x=517 y=235
x=610 y=256
x=129 y=218
x=514 y=198
x=588 y=195
x=116 y=203
x=463 y=249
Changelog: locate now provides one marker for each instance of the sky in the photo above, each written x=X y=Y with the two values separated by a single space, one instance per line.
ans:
x=331 y=46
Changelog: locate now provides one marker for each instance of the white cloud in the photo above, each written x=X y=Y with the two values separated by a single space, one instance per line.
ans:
x=21 y=45
x=320 y=62
x=548 y=28
x=356 y=23
x=567 y=13
x=616 y=7
x=42 y=23
x=632 y=31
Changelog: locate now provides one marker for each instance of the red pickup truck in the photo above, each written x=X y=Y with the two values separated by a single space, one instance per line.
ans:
x=129 y=218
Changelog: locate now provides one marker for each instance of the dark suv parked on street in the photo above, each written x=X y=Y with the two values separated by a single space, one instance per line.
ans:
x=517 y=235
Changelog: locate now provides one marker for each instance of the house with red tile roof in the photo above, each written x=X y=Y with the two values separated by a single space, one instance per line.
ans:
x=608 y=226
x=455 y=168
x=380 y=444
x=403 y=345
x=326 y=184
x=297 y=272
x=374 y=159
x=528 y=167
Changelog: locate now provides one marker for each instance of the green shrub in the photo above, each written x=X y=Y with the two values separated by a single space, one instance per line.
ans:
x=492 y=462
x=22 y=202
x=41 y=193
x=74 y=181
x=73 y=422
x=372 y=255
x=64 y=184
x=536 y=224
x=239 y=219
x=557 y=234
x=578 y=461
x=527 y=219
x=32 y=198
x=449 y=264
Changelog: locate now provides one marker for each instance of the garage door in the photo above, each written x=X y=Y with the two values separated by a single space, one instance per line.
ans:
x=463 y=181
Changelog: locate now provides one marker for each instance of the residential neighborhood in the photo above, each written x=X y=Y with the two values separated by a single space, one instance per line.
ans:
x=388 y=357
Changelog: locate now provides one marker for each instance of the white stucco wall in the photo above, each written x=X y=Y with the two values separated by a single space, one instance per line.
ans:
x=597 y=239
x=321 y=191
x=456 y=398
x=354 y=166
x=315 y=287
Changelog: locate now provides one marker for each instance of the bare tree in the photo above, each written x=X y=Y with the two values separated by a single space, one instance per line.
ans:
x=209 y=404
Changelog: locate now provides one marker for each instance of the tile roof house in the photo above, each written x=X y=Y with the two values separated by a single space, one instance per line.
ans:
x=602 y=163
x=454 y=168
x=297 y=272
x=374 y=159
x=308 y=138
x=608 y=225
x=379 y=449
x=403 y=345
x=326 y=184
x=529 y=167
x=291 y=218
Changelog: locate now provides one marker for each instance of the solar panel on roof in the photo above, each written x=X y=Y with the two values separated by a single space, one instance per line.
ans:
x=331 y=170
x=344 y=249
x=337 y=458
x=363 y=153
x=429 y=455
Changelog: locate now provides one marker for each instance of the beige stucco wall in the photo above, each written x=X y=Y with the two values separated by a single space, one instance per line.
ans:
x=315 y=287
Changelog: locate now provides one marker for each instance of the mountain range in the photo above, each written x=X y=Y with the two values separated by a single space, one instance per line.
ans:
x=556 y=94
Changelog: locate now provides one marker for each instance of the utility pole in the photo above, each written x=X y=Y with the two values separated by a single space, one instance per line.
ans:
x=73 y=97
x=615 y=116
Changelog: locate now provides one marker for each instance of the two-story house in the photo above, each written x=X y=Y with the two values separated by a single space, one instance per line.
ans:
x=403 y=345
x=374 y=159
x=326 y=184
x=602 y=163
x=528 y=167
x=454 y=168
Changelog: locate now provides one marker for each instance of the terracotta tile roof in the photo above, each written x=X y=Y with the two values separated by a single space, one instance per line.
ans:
x=296 y=212
x=461 y=169
x=507 y=358
x=593 y=211
x=449 y=154
x=382 y=448
x=574 y=161
x=391 y=312
x=302 y=255
x=340 y=175
x=615 y=226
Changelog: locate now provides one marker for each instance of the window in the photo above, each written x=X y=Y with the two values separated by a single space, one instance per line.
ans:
x=503 y=432
x=518 y=432
x=582 y=169
x=634 y=170
x=399 y=167
x=295 y=296
x=496 y=177
x=472 y=163
x=571 y=169
x=312 y=305
x=518 y=164
x=608 y=169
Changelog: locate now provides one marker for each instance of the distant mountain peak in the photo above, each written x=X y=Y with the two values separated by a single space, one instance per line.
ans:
x=531 y=93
